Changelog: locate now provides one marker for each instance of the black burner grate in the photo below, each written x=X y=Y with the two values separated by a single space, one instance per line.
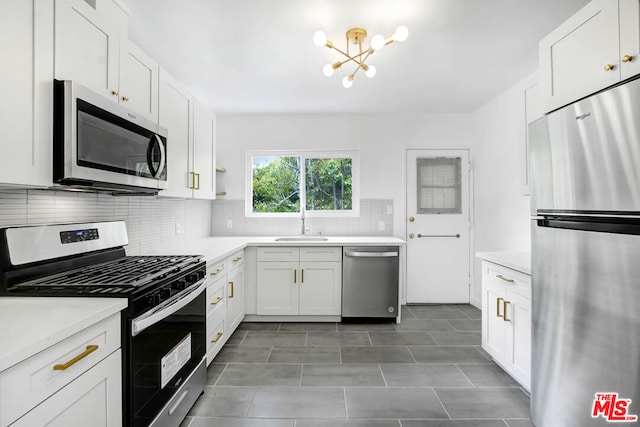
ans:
x=127 y=272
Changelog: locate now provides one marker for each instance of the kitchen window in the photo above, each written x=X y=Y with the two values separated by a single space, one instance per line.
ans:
x=288 y=183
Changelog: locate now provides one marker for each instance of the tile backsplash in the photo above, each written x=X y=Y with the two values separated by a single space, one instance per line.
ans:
x=373 y=217
x=151 y=222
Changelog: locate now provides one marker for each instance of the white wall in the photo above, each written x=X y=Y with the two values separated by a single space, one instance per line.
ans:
x=501 y=210
x=381 y=140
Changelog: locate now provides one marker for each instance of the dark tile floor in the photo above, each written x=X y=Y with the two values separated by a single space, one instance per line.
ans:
x=428 y=371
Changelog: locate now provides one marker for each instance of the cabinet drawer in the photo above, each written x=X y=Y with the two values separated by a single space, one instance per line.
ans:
x=215 y=297
x=515 y=281
x=234 y=261
x=25 y=385
x=320 y=254
x=278 y=254
x=215 y=270
x=216 y=333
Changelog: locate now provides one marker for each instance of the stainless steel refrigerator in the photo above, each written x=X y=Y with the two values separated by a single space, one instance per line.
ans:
x=585 y=165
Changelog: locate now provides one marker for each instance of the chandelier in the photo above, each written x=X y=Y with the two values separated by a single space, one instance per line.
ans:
x=357 y=36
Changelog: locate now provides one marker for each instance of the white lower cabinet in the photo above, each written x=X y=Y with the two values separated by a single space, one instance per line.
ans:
x=225 y=301
x=77 y=381
x=506 y=319
x=305 y=281
x=93 y=399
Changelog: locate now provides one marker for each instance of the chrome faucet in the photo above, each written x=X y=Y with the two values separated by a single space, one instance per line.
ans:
x=302 y=218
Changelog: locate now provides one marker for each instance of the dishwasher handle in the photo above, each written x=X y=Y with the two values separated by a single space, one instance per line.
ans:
x=372 y=254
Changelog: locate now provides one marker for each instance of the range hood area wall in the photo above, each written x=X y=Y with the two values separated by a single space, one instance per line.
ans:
x=151 y=222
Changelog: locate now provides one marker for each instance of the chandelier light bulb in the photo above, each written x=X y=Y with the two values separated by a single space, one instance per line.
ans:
x=347 y=82
x=378 y=42
x=401 y=33
x=328 y=70
x=370 y=72
x=319 y=38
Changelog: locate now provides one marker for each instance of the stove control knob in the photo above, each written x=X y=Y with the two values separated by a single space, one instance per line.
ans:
x=166 y=293
x=157 y=298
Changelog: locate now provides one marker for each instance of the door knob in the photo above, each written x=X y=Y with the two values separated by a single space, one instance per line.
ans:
x=411 y=235
x=411 y=219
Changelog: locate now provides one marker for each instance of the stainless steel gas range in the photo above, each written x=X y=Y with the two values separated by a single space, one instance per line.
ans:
x=163 y=328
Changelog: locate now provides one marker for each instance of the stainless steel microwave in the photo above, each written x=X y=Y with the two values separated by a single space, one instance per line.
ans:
x=99 y=145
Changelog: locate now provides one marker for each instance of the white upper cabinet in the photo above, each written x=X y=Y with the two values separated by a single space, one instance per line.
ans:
x=595 y=48
x=190 y=141
x=26 y=84
x=138 y=81
x=91 y=47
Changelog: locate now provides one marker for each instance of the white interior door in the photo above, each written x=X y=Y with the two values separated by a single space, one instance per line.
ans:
x=438 y=226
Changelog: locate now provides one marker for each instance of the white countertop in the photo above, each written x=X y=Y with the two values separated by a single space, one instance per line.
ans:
x=519 y=261
x=32 y=324
x=215 y=248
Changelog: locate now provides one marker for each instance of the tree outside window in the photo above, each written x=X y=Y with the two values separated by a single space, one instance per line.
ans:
x=323 y=183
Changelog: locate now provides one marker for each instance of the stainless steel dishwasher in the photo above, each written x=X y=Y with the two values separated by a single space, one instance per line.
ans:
x=370 y=281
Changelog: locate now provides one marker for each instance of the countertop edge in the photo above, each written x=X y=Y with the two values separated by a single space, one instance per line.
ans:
x=518 y=261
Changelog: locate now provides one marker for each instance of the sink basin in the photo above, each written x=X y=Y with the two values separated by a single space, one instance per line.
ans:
x=301 y=239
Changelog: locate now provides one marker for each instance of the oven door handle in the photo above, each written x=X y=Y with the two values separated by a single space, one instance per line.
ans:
x=166 y=309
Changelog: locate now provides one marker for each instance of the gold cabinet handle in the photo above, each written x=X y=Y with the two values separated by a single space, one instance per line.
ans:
x=504 y=311
x=500 y=276
x=411 y=219
x=198 y=184
x=218 y=270
x=411 y=235
x=295 y=276
x=114 y=92
x=90 y=349
x=217 y=338
x=193 y=180
x=237 y=259
x=609 y=67
x=498 y=301
x=216 y=301
x=125 y=98
x=231 y=296
x=302 y=275
x=627 y=58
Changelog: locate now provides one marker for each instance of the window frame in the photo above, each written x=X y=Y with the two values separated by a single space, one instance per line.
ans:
x=354 y=155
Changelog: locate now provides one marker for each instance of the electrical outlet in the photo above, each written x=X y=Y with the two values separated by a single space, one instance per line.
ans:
x=178 y=228
x=380 y=225
x=389 y=209
x=229 y=223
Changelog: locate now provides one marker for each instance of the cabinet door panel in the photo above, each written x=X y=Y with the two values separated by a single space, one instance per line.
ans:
x=93 y=399
x=320 y=288
x=493 y=328
x=235 y=298
x=519 y=334
x=204 y=153
x=630 y=37
x=26 y=84
x=574 y=56
x=87 y=44
x=277 y=292
x=138 y=81
x=176 y=114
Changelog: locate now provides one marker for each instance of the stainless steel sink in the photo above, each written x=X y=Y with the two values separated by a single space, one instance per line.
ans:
x=301 y=239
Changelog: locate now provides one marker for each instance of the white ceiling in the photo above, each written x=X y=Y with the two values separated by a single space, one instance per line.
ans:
x=258 y=56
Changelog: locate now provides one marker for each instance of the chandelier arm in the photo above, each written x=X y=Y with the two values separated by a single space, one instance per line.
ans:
x=351 y=58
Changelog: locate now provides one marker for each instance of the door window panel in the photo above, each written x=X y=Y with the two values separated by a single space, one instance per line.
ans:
x=439 y=185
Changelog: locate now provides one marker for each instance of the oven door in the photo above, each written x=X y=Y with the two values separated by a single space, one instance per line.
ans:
x=166 y=349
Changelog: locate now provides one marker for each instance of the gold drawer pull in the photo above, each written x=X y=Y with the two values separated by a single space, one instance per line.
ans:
x=627 y=58
x=213 y=341
x=218 y=270
x=216 y=301
x=504 y=311
x=302 y=275
x=498 y=300
x=125 y=98
x=609 y=67
x=500 y=276
x=90 y=349
x=231 y=296
x=237 y=259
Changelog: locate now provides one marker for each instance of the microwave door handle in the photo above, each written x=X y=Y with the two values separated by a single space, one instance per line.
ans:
x=155 y=315
x=152 y=170
x=163 y=157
